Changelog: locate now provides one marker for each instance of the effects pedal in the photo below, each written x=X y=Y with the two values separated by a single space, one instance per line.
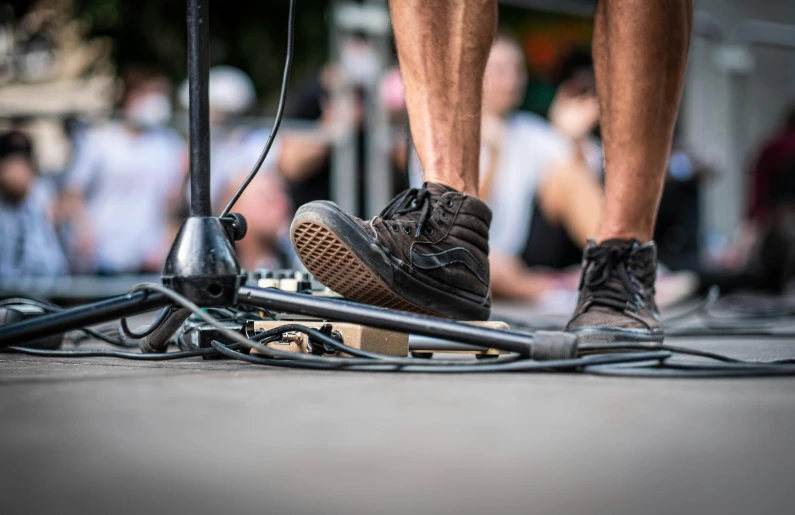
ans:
x=371 y=339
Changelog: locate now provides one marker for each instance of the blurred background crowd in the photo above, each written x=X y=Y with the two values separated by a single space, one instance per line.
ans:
x=94 y=159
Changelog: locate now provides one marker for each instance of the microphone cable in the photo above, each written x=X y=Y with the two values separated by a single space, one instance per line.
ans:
x=279 y=113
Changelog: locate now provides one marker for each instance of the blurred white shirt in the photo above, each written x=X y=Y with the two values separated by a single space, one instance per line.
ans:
x=126 y=179
x=29 y=245
x=530 y=150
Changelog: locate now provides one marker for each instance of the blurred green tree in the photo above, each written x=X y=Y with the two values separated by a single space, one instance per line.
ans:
x=249 y=35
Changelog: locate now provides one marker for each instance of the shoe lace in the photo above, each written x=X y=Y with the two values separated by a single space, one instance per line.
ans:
x=411 y=200
x=613 y=280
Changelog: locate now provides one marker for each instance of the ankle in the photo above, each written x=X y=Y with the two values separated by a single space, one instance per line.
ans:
x=624 y=233
x=624 y=236
x=456 y=183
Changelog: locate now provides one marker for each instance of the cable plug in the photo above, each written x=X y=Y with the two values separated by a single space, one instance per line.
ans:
x=319 y=348
x=553 y=345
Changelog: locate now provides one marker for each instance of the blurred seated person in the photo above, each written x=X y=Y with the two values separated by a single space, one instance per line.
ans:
x=770 y=230
x=123 y=176
x=334 y=98
x=774 y=159
x=540 y=178
x=29 y=245
x=268 y=211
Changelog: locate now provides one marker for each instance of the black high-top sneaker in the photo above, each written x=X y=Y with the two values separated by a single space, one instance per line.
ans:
x=616 y=301
x=427 y=252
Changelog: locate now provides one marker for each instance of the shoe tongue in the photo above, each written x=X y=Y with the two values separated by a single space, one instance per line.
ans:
x=434 y=188
x=647 y=253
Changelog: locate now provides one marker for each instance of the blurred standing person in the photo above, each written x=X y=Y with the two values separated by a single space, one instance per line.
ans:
x=775 y=158
x=767 y=241
x=233 y=147
x=334 y=98
x=29 y=245
x=123 y=175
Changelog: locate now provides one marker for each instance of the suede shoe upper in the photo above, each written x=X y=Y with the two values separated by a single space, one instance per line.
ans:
x=617 y=287
x=439 y=233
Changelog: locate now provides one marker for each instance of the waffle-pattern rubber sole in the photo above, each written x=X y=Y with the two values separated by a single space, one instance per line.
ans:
x=337 y=266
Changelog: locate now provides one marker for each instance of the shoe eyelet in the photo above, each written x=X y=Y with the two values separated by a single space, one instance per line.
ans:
x=395 y=227
x=406 y=230
x=449 y=203
x=429 y=231
x=444 y=215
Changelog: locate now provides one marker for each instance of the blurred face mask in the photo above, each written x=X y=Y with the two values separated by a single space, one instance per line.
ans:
x=360 y=62
x=150 y=111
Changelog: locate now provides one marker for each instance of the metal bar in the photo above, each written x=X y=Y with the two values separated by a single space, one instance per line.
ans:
x=426 y=343
x=346 y=311
x=344 y=187
x=378 y=180
x=199 y=109
x=765 y=33
x=76 y=318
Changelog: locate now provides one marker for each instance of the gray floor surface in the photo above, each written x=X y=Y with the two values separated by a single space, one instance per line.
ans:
x=110 y=436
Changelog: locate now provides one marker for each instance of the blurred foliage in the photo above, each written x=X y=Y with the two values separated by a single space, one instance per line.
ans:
x=253 y=36
x=548 y=40
x=249 y=35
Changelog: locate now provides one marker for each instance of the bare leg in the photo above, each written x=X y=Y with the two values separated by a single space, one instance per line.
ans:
x=443 y=47
x=640 y=53
x=428 y=250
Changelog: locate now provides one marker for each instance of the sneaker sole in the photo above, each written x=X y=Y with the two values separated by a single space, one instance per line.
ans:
x=325 y=238
x=616 y=335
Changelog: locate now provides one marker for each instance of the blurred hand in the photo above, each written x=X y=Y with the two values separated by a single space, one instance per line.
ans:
x=574 y=115
x=266 y=207
x=492 y=132
x=70 y=209
x=85 y=244
x=341 y=115
x=154 y=261
x=511 y=279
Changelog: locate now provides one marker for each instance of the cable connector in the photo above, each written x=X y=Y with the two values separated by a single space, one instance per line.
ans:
x=157 y=341
x=553 y=345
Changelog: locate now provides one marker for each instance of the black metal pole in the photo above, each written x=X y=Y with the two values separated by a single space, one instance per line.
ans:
x=199 y=112
x=75 y=318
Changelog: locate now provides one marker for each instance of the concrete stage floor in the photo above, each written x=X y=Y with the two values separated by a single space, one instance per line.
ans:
x=115 y=437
